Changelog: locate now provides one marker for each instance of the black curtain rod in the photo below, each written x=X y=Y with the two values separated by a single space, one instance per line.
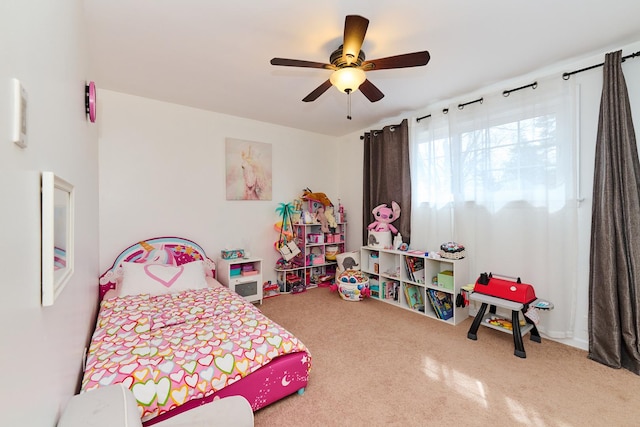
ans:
x=480 y=100
x=375 y=132
x=508 y=92
x=444 y=111
x=568 y=75
x=533 y=85
x=461 y=106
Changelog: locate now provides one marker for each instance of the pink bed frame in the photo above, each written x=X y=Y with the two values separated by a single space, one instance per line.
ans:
x=282 y=377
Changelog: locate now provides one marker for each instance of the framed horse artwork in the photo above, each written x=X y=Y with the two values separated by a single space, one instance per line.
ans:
x=248 y=170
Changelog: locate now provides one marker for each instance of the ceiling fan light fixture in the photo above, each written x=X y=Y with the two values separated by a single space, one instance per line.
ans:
x=348 y=79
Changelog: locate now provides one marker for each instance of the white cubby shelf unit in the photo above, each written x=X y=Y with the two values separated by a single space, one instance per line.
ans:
x=412 y=280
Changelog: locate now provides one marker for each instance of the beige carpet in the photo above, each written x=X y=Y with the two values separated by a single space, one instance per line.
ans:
x=374 y=364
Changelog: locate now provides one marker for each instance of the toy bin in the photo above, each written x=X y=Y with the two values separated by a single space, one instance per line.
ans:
x=331 y=252
x=353 y=285
x=445 y=279
x=315 y=238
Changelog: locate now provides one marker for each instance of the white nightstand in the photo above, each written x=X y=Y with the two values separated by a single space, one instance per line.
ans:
x=242 y=275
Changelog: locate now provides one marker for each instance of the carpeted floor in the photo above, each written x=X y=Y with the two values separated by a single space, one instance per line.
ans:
x=374 y=364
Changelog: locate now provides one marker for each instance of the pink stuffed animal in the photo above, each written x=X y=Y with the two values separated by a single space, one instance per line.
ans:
x=384 y=216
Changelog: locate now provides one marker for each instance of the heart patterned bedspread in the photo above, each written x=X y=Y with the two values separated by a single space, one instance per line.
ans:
x=169 y=349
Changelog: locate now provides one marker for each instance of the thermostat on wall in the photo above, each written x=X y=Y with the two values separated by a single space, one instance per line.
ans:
x=19 y=135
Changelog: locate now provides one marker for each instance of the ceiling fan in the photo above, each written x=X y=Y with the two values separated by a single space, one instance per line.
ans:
x=349 y=65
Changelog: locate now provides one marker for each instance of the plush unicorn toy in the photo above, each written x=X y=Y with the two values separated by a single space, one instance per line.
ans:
x=384 y=216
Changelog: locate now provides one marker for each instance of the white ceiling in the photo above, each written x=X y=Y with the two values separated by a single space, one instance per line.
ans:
x=214 y=54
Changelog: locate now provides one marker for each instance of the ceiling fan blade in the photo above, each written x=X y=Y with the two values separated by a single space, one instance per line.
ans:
x=300 y=63
x=355 y=27
x=369 y=90
x=317 y=91
x=415 y=59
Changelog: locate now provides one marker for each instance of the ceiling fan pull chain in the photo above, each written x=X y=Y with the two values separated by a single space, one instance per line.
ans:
x=348 y=103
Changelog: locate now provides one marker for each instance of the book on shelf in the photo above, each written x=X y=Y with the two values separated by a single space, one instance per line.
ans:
x=441 y=303
x=407 y=261
x=433 y=304
x=390 y=289
x=415 y=269
x=413 y=295
x=418 y=270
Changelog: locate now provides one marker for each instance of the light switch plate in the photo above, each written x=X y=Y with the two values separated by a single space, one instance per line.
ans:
x=19 y=114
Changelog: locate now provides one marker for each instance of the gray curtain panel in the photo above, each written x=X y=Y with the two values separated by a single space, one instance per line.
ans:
x=387 y=175
x=614 y=273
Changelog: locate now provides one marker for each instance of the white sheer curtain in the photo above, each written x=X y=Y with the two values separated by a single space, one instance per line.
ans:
x=499 y=177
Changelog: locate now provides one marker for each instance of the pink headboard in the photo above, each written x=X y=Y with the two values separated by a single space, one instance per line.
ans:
x=159 y=250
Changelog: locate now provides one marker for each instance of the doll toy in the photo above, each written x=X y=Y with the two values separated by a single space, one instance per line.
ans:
x=322 y=219
x=384 y=216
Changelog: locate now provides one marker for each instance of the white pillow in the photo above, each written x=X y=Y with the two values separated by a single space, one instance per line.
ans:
x=158 y=279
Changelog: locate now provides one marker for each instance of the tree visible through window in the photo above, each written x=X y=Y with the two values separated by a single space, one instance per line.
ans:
x=511 y=161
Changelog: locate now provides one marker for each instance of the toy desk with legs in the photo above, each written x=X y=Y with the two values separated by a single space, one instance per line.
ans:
x=515 y=307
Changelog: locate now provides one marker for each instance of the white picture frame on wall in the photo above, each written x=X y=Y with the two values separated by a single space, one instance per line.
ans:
x=57 y=235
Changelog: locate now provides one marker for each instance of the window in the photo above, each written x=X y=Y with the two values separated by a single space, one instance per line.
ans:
x=498 y=177
x=493 y=156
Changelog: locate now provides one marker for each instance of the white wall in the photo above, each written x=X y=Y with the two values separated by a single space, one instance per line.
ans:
x=162 y=173
x=350 y=165
x=42 y=45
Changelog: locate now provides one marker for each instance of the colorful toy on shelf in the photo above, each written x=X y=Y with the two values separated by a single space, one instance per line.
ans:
x=452 y=250
x=501 y=322
x=322 y=219
x=322 y=198
x=380 y=230
x=384 y=216
x=286 y=231
x=286 y=244
x=284 y=226
x=331 y=219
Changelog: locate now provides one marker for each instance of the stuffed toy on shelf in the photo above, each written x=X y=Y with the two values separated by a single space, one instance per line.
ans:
x=381 y=228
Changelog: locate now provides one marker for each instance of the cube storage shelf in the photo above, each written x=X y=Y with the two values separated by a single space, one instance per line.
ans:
x=312 y=267
x=406 y=279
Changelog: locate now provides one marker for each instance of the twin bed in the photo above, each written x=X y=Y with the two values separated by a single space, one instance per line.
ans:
x=177 y=338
